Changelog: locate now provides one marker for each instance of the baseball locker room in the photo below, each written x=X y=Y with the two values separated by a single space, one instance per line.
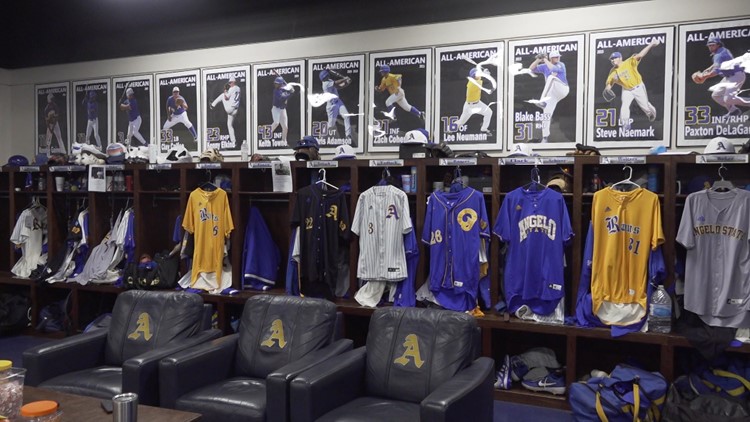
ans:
x=313 y=211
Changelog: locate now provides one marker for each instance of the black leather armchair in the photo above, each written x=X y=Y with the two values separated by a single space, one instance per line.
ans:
x=146 y=326
x=417 y=364
x=245 y=376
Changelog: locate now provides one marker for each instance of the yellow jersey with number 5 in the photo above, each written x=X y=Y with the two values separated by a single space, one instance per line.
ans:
x=627 y=227
x=209 y=218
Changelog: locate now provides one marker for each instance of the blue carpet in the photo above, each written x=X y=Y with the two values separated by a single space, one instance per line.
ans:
x=11 y=348
x=514 y=412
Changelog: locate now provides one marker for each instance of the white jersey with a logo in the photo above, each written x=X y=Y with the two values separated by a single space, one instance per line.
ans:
x=30 y=233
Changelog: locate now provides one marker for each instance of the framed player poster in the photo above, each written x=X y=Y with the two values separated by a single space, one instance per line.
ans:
x=225 y=92
x=177 y=105
x=400 y=96
x=132 y=104
x=633 y=70
x=545 y=92
x=468 y=96
x=278 y=106
x=52 y=118
x=713 y=60
x=91 y=117
x=335 y=101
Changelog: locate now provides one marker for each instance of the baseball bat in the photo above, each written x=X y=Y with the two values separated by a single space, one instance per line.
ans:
x=336 y=74
x=124 y=91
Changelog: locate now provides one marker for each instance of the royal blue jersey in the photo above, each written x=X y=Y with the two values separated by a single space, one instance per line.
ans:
x=260 y=255
x=133 y=113
x=92 y=108
x=171 y=103
x=722 y=55
x=280 y=96
x=558 y=68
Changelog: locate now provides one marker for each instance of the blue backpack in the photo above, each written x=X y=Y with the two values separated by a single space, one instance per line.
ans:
x=627 y=394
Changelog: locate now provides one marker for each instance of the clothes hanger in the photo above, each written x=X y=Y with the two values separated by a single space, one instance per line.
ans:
x=322 y=179
x=722 y=185
x=457 y=185
x=386 y=178
x=536 y=181
x=626 y=182
x=208 y=185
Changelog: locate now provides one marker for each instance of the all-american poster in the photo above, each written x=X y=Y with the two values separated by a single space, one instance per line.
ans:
x=637 y=66
x=335 y=101
x=713 y=64
x=133 y=102
x=52 y=117
x=91 y=101
x=178 y=116
x=400 y=96
x=225 y=108
x=545 y=91
x=468 y=92
x=278 y=106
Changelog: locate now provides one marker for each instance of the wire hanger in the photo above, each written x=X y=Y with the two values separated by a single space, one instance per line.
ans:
x=457 y=185
x=322 y=179
x=626 y=182
x=722 y=185
x=536 y=181
x=208 y=185
x=386 y=178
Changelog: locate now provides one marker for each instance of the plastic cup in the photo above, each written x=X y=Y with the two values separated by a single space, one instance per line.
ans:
x=11 y=392
x=406 y=182
x=59 y=183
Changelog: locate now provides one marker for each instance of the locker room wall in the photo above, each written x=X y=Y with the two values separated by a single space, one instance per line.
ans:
x=17 y=133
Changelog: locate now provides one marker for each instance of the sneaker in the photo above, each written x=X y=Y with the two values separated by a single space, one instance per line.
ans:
x=553 y=383
x=177 y=154
x=502 y=377
x=518 y=368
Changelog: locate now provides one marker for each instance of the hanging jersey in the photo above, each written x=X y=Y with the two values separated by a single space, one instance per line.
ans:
x=260 y=255
x=209 y=218
x=627 y=226
x=30 y=233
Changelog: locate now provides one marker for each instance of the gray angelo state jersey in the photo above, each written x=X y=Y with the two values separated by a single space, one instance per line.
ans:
x=381 y=219
x=714 y=230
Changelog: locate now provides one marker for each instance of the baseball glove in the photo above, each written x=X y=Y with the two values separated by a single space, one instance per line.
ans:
x=608 y=94
x=226 y=87
x=441 y=150
x=180 y=103
x=541 y=56
x=699 y=77
x=344 y=82
x=51 y=118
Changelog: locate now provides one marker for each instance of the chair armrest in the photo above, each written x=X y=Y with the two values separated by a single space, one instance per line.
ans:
x=59 y=357
x=277 y=382
x=141 y=374
x=328 y=385
x=470 y=392
x=195 y=367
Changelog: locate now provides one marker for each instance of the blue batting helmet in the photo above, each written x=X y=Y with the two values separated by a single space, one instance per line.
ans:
x=308 y=142
x=279 y=80
x=323 y=74
x=385 y=68
x=615 y=55
x=18 y=160
x=473 y=72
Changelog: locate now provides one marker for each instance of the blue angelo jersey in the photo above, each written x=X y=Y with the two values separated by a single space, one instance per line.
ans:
x=171 y=103
x=133 y=113
x=280 y=96
x=722 y=55
x=536 y=227
x=558 y=68
x=455 y=228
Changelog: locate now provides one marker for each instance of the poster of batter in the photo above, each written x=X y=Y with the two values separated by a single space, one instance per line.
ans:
x=132 y=102
x=400 y=97
x=713 y=101
x=468 y=89
x=278 y=106
x=545 y=91
x=91 y=113
x=335 y=101
x=630 y=88
x=52 y=118
x=178 y=116
x=225 y=92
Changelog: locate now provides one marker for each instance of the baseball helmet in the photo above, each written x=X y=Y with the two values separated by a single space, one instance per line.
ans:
x=211 y=156
x=176 y=89
x=473 y=72
x=129 y=91
x=323 y=74
x=279 y=80
x=116 y=153
x=18 y=160
x=714 y=40
x=615 y=55
x=344 y=152
x=385 y=68
x=308 y=142
x=57 y=159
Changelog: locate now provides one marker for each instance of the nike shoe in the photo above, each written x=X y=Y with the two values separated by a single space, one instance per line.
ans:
x=553 y=383
x=518 y=368
x=177 y=154
x=502 y=378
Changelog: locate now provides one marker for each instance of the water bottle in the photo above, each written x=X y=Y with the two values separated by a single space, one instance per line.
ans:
x=244 y=150
x=660 y=312
x=152 y=152
x=653 y=179
x=414 y=179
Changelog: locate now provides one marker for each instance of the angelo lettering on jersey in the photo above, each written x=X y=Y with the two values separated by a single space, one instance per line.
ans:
x=466 y=219
x=277 y=335
x=536 y=224
x=614 y=226
x=411 y=344
x=207 y=216
x=729 y=231
x=392 y=212
x=143 y=328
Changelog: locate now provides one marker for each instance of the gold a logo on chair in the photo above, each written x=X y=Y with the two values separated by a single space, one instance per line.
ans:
x=277 y=334
x=412 y=350
x=144 y=327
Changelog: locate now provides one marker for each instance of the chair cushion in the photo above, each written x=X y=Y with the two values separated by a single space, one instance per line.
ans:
x=103 y=382
x=411 y=352
x=145 y=320
x=375 y=409
x=277 y=330
x=233 y=399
